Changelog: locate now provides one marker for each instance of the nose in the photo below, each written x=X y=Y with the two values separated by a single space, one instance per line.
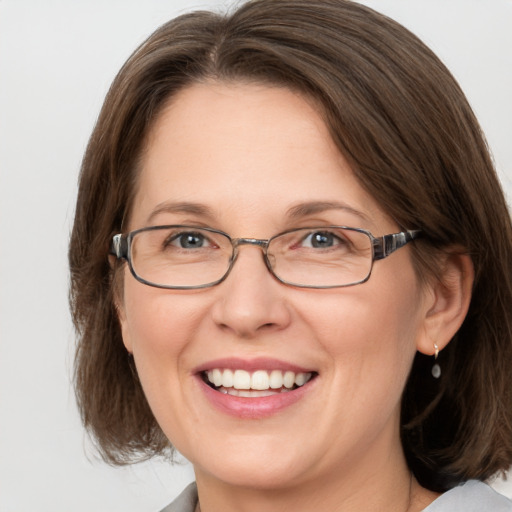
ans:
x=250 y=300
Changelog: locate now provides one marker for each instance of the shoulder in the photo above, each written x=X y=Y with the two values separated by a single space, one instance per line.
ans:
x=472 y=496
x=185 y=502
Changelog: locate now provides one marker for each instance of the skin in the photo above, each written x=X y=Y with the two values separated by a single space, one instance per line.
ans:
x=249 y=153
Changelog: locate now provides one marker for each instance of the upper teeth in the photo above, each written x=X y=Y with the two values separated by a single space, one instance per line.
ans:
x=260 y=379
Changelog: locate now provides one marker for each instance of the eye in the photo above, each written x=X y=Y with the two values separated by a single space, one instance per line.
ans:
x=322 y=240
x=188 y=240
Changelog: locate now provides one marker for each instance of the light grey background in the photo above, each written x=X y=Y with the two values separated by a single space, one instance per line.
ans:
x=57 y=59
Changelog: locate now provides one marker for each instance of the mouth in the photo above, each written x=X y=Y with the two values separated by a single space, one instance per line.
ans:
x=255 y=384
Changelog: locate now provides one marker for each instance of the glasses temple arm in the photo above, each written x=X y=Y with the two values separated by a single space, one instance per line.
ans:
x=119 y=246
x=388 y=244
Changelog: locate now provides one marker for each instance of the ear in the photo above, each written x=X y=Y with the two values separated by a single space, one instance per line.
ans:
x=111 y=261
x=125 y=331
x=447 y=303
x=121 y=313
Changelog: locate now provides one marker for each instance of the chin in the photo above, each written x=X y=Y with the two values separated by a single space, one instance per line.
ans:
x=265 y=461
x=261 y=474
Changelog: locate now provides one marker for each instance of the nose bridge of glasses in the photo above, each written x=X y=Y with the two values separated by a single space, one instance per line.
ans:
x=263 y=244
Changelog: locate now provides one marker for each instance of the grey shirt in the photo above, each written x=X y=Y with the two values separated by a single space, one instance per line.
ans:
x=473 y=496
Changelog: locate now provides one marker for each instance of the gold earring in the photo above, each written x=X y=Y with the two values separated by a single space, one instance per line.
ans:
x=436 y=369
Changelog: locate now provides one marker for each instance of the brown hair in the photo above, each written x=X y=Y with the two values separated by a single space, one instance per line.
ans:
x=414 y=144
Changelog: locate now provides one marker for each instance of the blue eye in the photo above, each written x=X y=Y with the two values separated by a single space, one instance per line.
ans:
x=189 y=240
x=321 y=240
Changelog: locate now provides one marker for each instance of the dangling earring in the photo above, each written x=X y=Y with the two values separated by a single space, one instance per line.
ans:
x=436 y=369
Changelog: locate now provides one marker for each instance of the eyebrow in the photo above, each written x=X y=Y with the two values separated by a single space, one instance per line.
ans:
x=295 y=212
x=312 y=207
x=180 y=207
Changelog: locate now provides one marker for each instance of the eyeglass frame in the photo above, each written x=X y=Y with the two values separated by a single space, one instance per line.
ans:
x=382 y=247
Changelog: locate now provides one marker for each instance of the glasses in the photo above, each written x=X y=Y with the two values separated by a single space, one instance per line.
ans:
x=187 y=257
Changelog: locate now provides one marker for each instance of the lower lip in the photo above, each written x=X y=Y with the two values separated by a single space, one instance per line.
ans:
x=257 y=407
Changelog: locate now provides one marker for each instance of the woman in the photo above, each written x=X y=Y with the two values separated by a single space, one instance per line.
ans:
x=291 y=262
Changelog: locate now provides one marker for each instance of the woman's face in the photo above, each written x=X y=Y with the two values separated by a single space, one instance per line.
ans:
x=254 y=161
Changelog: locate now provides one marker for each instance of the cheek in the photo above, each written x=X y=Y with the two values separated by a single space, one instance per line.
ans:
x=359 y=322
x=154 y=319
x=370 y=333
x=157 y=328
x=160 y=327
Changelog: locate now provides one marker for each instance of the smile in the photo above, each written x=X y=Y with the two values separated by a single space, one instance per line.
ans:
x=255 y=388
x=259 y=383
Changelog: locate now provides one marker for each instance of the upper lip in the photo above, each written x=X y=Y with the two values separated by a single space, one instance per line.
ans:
x=251 y=365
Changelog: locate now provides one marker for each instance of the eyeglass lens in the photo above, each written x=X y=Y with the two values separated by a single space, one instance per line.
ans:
x=177 y=256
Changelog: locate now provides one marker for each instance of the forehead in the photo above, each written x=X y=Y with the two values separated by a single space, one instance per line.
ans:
x=222 y=117
x=244 y=148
